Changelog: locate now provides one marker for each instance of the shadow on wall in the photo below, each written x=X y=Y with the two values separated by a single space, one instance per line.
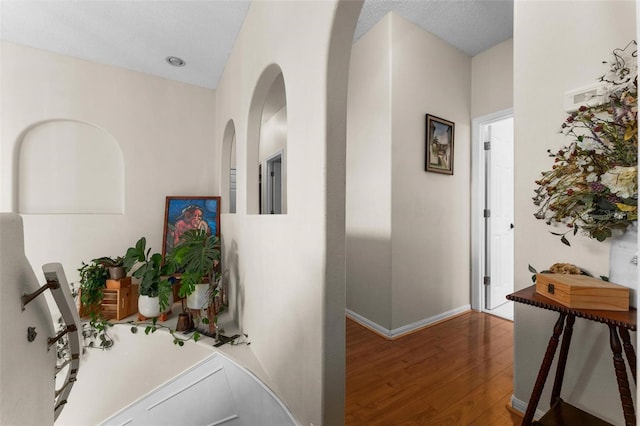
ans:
x=236 y=289
x=369 y=278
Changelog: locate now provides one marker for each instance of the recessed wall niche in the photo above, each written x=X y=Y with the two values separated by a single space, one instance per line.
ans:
x=229 y=167
x=70 y=167
x=267 y=145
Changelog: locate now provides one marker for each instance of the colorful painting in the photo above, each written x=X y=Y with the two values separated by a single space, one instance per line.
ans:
x=439 y=145
x=185 y=213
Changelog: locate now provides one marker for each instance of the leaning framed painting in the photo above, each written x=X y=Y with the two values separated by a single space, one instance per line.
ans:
x=184 y=213
x=439 y=145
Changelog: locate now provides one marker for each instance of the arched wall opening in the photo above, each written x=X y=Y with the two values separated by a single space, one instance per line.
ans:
x=69 y=167
x=289 y=271
x=229 y=168
x=266 y=189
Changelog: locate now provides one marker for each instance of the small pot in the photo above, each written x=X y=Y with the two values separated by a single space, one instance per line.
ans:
x=116 y=272
x=185 y=322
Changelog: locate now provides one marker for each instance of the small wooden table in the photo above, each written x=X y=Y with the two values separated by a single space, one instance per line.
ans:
x=618 y=322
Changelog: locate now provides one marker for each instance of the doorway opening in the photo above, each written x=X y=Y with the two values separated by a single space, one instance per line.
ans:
x=492 y=214
x=266 y=139
x=272 y=199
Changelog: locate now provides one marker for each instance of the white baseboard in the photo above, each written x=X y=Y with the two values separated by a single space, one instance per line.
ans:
x=405 y=329
x=522 y=407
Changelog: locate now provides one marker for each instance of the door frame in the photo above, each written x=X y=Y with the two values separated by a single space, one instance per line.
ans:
x=477 y=206
x=266 y=182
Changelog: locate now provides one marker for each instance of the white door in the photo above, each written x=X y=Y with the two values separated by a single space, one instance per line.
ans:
x=499 y=212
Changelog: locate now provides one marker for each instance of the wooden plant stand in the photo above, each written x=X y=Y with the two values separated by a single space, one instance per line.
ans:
x=162 y=318
x=116 y=303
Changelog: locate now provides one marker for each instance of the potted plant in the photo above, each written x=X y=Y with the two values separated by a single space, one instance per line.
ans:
x=155 y=285
x=197 y=256
x=114 y=266
x=93 y=278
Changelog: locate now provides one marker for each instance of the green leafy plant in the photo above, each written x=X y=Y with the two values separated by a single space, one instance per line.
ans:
x=93 y=279
x=593 y=184
x=153 y=326
x=197 y=255
x=107 y=261
x=152 y=273
x=95 y=332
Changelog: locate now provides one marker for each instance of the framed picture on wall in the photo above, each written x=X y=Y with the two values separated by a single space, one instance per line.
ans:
x=184 y=213
x=439 y=145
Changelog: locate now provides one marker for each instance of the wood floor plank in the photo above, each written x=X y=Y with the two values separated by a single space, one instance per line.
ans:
x=473 y=405
x=498 y=415
x=457 y=372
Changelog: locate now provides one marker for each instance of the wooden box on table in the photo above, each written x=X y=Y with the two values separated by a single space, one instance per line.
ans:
x=583 y=292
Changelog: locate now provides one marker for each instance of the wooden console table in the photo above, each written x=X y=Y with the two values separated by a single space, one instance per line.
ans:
x=618 y=323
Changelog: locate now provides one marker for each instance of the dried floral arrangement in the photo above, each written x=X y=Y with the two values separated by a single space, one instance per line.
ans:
x=593 y=184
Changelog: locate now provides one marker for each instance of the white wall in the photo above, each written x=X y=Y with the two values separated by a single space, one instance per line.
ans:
x=430 y=211
x=287 y=271
x=164 y=129
x=492 y=80
x=22 y=379
x=408 y=255
x=368 y=213
x=165 y=132
x=273 y=135
x=564 y=53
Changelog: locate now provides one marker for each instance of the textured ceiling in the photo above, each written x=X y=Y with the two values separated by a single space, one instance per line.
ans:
x=140 y=34
x=137 y=35
x=472 y=26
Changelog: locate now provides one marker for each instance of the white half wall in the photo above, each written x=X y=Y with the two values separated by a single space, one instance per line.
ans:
x=559 y=46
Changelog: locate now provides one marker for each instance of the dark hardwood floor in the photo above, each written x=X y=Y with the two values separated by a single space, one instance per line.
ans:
x=458 y=372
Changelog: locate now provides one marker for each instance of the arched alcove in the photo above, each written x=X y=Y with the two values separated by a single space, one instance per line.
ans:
x=267 y=145
x=229 y=168
x=67 y=166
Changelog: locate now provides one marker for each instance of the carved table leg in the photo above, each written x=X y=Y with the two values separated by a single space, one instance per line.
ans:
x=562 y=358
x=628 y=350
x=621 y=375
x=544 y=371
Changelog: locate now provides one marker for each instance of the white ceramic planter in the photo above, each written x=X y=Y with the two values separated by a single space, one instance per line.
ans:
x=623 y=261
x=199 y=298
x=150 y=306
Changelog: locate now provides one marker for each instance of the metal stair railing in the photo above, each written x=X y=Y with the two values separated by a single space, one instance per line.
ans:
x=61 y=292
